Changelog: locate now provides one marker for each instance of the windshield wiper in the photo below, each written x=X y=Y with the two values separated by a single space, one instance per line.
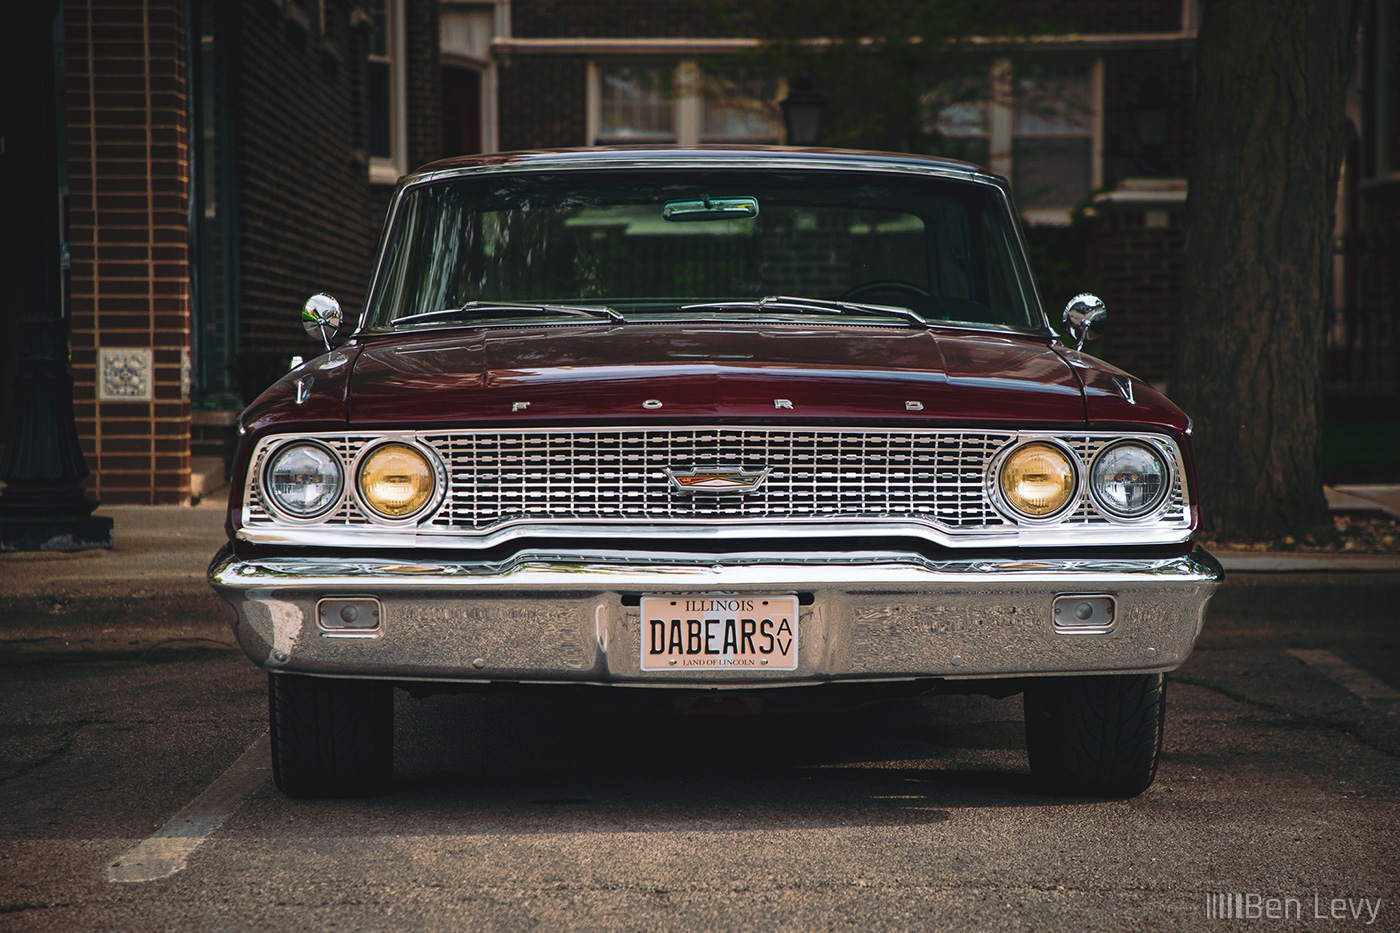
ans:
x=594 y=311
x=789 y=303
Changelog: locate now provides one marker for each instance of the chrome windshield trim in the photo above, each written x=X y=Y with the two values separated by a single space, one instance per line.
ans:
x=601 y=161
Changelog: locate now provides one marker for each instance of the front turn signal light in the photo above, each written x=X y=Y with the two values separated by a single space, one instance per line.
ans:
x=1037 y=480
x=396 y=481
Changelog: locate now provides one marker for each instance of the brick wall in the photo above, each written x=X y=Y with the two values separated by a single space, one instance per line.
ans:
x=424 y=83
x=309 y=218
x=698 y=18
x=128 y=167
x=612 y=18
x=302 y=188
x=543 y=101
x=1096 y=16
x=1134 y=265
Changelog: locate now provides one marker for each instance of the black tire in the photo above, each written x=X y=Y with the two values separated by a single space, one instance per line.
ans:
x=330 y=738
x=1095 y=736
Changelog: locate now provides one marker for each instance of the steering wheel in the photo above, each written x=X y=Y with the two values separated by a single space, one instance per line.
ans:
x=887 y=285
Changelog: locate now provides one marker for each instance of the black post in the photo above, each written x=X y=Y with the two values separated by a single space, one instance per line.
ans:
x=42 y=507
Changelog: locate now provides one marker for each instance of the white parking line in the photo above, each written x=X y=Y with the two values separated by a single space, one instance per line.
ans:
x=165 y=853
x=1373 y=693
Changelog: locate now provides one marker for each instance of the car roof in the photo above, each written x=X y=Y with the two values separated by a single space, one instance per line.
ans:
x=653 y=156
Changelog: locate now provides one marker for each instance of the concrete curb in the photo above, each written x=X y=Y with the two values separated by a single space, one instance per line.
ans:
x=1375 y=497
x=1284 y=562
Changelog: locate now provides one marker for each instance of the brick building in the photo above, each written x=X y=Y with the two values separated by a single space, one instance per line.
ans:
x=226 y=158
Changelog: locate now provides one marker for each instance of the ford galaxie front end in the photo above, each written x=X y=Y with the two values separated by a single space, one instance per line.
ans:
x=712 y=420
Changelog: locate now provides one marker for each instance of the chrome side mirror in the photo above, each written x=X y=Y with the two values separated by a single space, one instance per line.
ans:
x=1086 y=317
x=320 y=317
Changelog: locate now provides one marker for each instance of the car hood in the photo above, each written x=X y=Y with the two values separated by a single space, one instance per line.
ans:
x=646 y=372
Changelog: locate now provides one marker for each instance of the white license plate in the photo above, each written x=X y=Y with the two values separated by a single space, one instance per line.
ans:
x=717 y=632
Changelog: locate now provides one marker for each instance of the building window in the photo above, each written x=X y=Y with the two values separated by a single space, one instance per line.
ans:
x=1041 y=127
x=636 y=104
x=740 y=105
x=683 y=102
x=388 y=129
x=1052 y=143
x=963 y=128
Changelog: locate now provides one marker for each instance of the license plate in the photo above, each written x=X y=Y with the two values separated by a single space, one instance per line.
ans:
x=687 y=633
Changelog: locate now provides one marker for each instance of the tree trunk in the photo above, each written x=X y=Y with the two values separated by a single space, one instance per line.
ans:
x=1270 y=131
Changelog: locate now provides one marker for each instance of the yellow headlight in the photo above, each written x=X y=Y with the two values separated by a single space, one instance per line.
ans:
x=396 y=480
x=1037 y=480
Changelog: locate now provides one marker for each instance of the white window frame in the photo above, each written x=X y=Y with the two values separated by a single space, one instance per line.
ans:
x=388 y=170
x=1190 y=16
x=1062 y=216
x=480 y=61
x=689 y=116
x=1001 y=135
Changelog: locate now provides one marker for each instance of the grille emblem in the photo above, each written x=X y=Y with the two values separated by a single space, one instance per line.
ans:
x=716 y=481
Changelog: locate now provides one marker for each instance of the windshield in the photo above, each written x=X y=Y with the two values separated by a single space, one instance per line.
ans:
x=653 y=243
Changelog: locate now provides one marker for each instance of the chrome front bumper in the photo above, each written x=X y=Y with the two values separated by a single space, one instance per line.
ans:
x=574 y=616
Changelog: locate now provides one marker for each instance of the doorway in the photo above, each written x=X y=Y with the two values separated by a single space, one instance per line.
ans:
x=461 y=111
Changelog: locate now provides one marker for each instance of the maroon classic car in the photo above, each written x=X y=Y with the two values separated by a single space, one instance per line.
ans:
x=709 y=420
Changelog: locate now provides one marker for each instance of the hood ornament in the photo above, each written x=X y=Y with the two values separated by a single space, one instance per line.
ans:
x=716 y=480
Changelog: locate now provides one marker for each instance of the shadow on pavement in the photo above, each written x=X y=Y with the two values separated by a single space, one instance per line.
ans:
x=470 y=765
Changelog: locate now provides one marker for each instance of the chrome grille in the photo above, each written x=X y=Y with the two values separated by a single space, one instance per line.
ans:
x=618 y=475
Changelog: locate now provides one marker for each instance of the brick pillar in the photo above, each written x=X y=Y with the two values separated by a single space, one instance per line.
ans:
x=1133 y=258
x=128 y=166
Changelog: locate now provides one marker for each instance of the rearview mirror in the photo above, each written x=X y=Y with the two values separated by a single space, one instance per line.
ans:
x=709 y=209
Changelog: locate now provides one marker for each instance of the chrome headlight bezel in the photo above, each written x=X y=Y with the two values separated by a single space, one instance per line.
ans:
x=998 y=498
x=1159 y=501
x=435 y=467
x=277 y=505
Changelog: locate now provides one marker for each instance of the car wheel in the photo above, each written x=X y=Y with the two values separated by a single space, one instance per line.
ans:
x=330 y=738
x=1095 y=736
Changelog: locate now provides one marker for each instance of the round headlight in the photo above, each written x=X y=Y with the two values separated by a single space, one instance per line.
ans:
x=396 y=480
x=1129 y=480
x=303 y=480
x=1037 y=480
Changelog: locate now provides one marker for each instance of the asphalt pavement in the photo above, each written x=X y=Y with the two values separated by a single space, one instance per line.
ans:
x=138 y=795
x=149 y=590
